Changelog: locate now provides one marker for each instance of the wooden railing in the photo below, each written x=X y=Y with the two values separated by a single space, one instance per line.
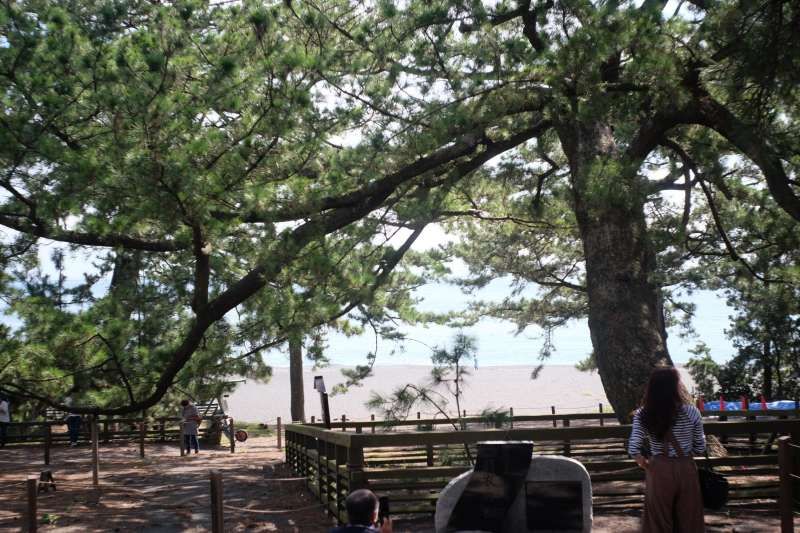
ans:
x=412 y=467
x=789 y=499
x=563 y=419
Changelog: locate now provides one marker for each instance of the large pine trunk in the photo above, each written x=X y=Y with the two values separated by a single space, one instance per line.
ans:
x=625 y=308
x=296 y=378
x=626 y=318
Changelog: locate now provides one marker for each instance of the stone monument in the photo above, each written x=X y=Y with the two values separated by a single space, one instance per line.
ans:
x=556 y=495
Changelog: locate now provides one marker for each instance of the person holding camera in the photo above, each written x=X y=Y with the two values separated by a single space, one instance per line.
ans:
x=364 y=514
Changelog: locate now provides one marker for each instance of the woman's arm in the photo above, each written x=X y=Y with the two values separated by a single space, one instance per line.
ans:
x=698 y=435
x=636 y=440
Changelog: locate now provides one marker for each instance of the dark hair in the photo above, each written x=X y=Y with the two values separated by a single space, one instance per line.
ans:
x=662 y=402
x=184 y=402
x=361 y=505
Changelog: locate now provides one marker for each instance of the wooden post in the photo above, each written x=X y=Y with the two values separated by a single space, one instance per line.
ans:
x=465 y=413
x=217 y=517
x=233 y=436
x=95 y=453
x=753 y=436
x=359 y=428
x=341 y=454
x=162 y=433
x=355 y=467
x=553 y=410
x=326 y=410
x=511 y=416
x=372 y=419
x=142 y=434
x=567 y=443
x=31 y=484
x=278 y=431
x=289 y=450
x=105 y=431
x=429 y=454
x=48 y=441
x=313 y=418
x=181 y=438
x=785 y=499
x=344 y=422
x=321 y=476
x=602 y=420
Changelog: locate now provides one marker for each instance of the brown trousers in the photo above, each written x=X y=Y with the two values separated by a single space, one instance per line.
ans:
x=672 y=501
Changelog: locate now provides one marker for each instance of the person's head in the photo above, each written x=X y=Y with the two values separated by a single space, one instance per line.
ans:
x=362 y=507
x=184 y=403
x=663 y=398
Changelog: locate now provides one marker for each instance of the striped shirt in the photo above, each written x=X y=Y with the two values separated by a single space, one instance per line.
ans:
x=688 y=431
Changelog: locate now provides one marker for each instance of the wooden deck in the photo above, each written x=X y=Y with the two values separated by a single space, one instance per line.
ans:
x=411 y=467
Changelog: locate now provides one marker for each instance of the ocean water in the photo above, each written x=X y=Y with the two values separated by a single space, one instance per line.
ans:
x=499 y=387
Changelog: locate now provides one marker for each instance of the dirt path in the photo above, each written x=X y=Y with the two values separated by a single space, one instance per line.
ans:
x=163 y=492
x=167 y=493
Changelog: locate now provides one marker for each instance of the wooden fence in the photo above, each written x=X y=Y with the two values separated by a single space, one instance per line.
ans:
x=411 y=467
x=110 y=429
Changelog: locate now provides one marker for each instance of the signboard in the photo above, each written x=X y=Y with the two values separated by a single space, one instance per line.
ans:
x=500 y=471
x=554 y=505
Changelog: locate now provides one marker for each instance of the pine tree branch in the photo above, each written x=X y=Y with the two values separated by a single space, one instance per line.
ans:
x=111 y=240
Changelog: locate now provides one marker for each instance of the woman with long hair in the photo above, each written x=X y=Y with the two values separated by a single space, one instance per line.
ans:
x=674 y=429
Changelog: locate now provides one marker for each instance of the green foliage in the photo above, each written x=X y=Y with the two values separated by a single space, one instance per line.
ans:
x=588 y=364
x=447 y=382
x=49 y=519
x=495 y=417
x=704 y=371
x=249 y=170
x=764 y=328
x=132 y=129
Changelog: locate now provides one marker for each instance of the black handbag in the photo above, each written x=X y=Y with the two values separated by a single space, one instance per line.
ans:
x=713 y=486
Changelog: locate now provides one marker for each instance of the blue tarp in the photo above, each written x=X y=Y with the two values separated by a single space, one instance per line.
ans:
x=754 y=405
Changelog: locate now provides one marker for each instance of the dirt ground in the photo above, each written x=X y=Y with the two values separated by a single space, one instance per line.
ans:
x=165 y=493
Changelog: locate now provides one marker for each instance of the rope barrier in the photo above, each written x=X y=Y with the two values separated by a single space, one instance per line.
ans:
x=273 y=511
x=144 y=493
x=123 y=488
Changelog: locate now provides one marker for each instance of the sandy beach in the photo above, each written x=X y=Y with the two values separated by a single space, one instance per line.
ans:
x=491 y=386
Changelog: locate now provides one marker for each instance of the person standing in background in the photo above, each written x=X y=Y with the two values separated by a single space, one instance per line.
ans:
x=74 y=422
x=5 y=419
x=191 y=422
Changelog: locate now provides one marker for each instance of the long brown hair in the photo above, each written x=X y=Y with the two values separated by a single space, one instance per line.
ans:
x=662 y=402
